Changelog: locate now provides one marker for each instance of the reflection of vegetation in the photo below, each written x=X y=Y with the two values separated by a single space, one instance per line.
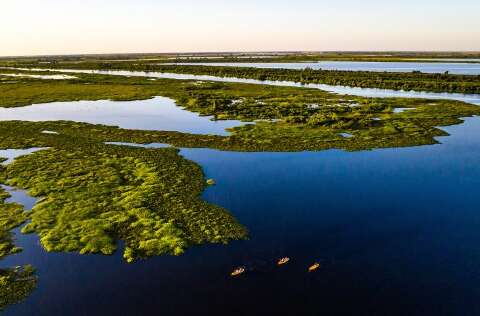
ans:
x=17 y=283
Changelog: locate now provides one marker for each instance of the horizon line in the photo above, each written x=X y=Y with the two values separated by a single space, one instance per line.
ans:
x=242 y=52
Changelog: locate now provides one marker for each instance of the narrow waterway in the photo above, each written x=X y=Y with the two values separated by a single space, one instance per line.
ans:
x=453 y=67
x=363 y=92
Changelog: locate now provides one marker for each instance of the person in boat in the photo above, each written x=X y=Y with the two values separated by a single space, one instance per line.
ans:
x=283 y=261
x=238 y=271
x=314 y=267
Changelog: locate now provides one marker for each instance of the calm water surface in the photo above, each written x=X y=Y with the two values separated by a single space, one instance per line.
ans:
x=396 y=231
x=471 y=60
x=12 y=154
x=436 y=67
x=154 y=114
x=52 y=77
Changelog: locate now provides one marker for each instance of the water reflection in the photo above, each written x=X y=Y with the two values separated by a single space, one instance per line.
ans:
x=20 y=197
x=154 y=114
x=11 y=154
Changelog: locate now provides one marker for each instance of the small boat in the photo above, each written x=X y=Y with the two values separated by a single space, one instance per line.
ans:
x=314 y=267
x=237 y=271
x=283 y=261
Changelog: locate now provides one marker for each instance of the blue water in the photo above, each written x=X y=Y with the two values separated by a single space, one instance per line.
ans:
x=158 y=113
x=396 y=231
x=19 y=196
x=427 y=67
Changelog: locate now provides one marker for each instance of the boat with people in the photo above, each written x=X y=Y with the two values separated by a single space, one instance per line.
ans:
x=314 y=267
x=238 y=271
x=283 y=261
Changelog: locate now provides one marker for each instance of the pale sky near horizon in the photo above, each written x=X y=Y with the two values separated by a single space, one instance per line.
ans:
x=37 y=27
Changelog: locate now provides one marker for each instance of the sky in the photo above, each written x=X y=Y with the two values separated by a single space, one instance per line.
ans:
x=43 y=27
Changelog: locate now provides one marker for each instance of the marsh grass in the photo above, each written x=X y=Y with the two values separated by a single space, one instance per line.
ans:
x=15 y=283
x=93 y=196
x=415 y=81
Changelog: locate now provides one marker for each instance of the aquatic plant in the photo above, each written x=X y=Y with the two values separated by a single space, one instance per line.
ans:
x=293 y=118
x=16 y=284
x=92 y=197
x=11 y=216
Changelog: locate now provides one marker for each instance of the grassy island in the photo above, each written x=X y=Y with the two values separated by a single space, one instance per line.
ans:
x=15 y=283
x=288 y=118
x=94 y=195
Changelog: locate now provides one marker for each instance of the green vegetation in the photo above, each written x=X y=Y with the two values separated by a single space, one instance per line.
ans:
x=415 y=81
x=94 y=194
x=16 y=283
x=316 y=57
x=11 y=216
x=294 y=119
